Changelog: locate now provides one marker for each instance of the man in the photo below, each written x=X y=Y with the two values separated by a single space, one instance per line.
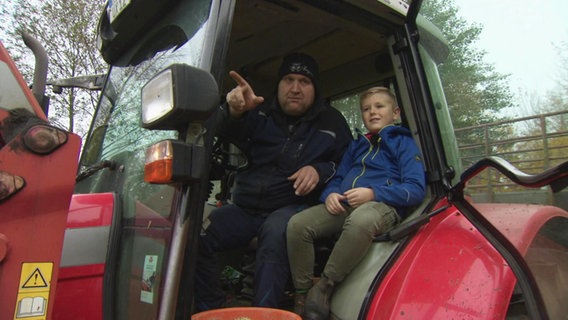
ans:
x=293 y=143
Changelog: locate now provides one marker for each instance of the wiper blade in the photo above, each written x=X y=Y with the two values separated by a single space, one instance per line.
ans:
x=94 y=169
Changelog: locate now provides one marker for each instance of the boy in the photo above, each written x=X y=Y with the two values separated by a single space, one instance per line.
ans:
x=379 y=176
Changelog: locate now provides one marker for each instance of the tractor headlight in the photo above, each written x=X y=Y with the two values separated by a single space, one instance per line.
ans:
x=178 y=95
x=157 y=98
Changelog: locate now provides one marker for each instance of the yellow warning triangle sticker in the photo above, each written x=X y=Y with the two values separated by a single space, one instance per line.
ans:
x=35 y=280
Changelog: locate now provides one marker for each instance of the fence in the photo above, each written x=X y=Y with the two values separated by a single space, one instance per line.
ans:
x=533 y=144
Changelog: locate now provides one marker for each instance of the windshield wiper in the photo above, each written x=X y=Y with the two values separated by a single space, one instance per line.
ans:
x=95 y=168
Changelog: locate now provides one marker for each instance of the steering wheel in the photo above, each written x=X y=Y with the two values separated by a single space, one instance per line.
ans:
x=227 y=159
x=227 y=156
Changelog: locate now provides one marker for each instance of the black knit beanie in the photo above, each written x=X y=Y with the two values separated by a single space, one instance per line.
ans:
x=300 y=63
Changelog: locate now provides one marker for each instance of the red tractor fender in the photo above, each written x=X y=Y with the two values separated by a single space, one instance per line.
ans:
x=520 y=223
x=450 y=271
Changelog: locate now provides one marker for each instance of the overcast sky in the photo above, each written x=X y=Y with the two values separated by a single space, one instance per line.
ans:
x=519 y=37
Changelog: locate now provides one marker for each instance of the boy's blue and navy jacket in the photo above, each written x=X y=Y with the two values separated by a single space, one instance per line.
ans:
x=389 y=163
x=277 y=147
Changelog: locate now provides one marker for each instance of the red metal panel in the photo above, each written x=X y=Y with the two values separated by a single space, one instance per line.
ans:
x=80 y=293
x=81 y=271
x=519 y=222
x=90 y=210
x=448 y=271
x=80 y=287
x=32 y=221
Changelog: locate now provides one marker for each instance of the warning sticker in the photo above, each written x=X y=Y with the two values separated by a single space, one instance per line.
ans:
x=36 y=280
x=31 y=307
x=33 y=292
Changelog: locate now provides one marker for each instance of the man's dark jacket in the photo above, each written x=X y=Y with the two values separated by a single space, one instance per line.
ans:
x=277 y=146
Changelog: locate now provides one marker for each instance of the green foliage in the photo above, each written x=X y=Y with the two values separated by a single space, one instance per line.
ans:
x=475 y=92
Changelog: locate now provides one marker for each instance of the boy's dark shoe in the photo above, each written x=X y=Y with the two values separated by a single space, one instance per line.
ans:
x=299 y=303
x=318 y=300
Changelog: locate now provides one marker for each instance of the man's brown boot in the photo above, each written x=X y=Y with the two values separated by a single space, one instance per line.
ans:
x=318 y=300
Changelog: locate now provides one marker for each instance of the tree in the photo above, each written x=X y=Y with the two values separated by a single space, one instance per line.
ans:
x=475 y=92
x=554 y=123
x=558 y=99
x=67 y=30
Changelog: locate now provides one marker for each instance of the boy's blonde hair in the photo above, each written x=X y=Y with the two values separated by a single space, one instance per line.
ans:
x=375 y=90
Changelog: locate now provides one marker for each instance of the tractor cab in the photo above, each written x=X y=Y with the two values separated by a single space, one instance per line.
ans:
x=153 y=146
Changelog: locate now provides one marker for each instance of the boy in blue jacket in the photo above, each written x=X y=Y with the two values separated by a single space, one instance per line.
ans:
x=380 y=175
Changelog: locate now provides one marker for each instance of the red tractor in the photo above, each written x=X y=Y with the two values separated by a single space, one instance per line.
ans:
x=117 y=238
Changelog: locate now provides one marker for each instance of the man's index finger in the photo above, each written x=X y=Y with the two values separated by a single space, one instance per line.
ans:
x=238 y=79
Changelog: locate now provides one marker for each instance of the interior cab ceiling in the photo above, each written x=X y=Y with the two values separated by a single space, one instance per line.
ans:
x=348 y=42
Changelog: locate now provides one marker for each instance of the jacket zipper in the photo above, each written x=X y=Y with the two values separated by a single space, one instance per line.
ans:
x=363 y=160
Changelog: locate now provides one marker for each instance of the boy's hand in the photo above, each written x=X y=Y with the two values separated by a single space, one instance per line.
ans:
x=333 y=203
x=242 y=98
x=305 y=180
x=358 y=196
